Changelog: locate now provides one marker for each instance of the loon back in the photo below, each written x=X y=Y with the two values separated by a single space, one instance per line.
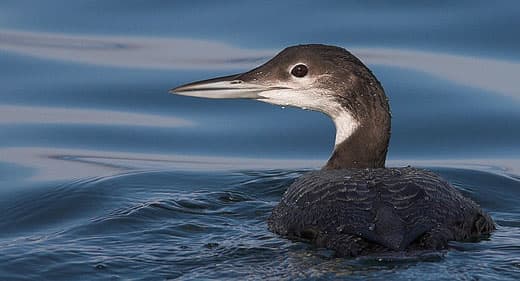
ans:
x=366 y=211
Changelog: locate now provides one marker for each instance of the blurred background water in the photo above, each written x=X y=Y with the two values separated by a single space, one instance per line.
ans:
x=105 y=176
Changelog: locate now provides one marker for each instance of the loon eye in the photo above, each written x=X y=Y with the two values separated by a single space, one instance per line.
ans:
x=299 y=70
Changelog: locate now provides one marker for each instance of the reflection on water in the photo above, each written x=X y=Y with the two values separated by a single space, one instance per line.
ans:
x=10 y=114
x=495 y=76
x=136 y=52
x=51 y=164
x=66 y=164
x=141 y=52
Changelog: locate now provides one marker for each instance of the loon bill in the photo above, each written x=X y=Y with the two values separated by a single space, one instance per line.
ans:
x=353 y=205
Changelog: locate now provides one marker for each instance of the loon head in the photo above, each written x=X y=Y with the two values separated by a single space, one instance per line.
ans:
x=323 y=78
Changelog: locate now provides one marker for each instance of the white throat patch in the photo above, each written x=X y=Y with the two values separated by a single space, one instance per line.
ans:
x=345 y=124
x=318 y=100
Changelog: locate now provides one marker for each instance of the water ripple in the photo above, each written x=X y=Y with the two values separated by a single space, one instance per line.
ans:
x=196 y=226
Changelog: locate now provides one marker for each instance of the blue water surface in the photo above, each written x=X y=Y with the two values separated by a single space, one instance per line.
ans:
x=106 y=176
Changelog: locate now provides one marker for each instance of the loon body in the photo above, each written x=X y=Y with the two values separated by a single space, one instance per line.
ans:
x=367 y=211
x=353 y=205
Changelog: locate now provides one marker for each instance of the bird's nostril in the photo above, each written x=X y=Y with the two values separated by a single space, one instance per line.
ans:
x=236 y=82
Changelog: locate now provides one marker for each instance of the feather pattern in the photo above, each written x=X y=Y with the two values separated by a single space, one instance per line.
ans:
x=366 y=211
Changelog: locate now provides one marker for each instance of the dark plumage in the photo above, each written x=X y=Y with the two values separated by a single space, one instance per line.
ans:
x=367 y=211
x=353 y=205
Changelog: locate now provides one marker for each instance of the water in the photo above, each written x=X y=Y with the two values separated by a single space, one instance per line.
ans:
x=104 y=176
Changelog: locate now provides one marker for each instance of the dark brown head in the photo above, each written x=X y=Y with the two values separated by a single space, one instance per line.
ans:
x=322 y=78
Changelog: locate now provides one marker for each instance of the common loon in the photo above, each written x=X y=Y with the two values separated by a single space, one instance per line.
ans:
x=353 y=205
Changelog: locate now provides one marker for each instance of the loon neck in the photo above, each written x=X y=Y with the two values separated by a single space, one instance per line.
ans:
x=358 y=151
x=362 y=137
